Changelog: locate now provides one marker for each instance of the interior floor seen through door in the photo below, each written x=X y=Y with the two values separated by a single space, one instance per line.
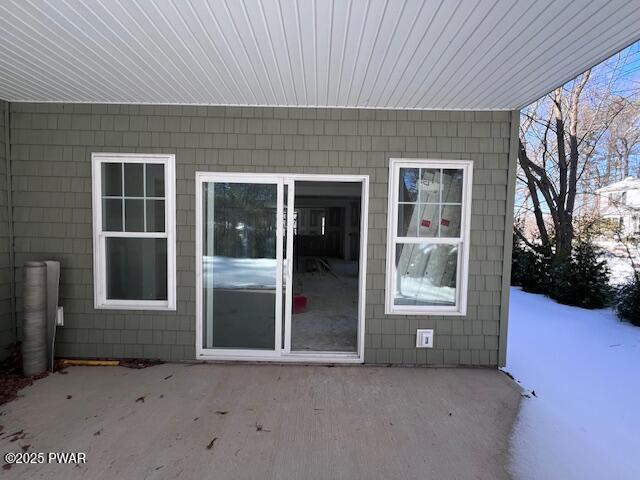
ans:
x=325 y=270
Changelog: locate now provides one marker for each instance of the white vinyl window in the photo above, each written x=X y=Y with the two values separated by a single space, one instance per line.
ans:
x=134 y=228
x=428 y=236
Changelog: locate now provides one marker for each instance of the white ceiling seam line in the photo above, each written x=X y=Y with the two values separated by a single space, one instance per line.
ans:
x=137 y=41
x=288 y=50
x=411 y=84
x=579 y=18
x=71 y=62
x=106 y=52
x=433 y=84
x=386 y=99
x=301 y=51
x=265 y=25
x=247 y=18
x=28 y=71
x=29 y=54
x=231 y=53
x=344 y=51
x=146 y=72
x=330 y=50
x=455 y=37
x=534 y=64
x=375 y=42
x=509 y=49
x=315 y=50
x=204 y=93
x=246 y=52
x=448 y=95
x=157 y=47
x=402 y=48
x=232 y=77
x=18 y=85
x=621 y=45
x=203 y=50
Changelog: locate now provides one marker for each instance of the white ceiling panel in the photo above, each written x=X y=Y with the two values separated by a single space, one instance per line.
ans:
x=415 y=54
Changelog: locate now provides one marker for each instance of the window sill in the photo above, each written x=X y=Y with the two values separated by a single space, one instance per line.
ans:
x=134 y=305
x=433 y=312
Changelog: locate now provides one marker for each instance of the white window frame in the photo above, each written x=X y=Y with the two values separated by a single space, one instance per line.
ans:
x=99 y=236
x=462 y=276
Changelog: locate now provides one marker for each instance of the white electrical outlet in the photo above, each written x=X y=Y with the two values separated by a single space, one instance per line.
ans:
x=424 y=338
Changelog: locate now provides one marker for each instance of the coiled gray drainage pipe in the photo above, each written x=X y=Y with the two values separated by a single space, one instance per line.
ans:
x=34 y=329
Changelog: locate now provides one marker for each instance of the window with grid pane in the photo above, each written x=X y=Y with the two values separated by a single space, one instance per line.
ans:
x=427 y=254
x=134 y=231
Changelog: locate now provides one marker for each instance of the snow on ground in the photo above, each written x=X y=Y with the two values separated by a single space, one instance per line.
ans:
x=617 y=258
x=584 y=366
x=621 y=270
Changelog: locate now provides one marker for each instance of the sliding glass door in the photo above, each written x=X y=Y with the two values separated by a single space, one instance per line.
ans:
x=241 y=244
x=245 y=292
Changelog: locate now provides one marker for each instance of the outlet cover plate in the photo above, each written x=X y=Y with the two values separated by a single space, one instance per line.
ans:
x=424 y=338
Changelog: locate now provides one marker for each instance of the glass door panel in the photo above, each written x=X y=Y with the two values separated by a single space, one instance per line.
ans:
x=241 y=265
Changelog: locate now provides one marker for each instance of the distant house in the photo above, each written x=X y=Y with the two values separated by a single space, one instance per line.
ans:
x=620 y=202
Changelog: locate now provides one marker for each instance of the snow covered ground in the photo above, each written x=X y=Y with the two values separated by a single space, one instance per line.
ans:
x=617 y=258
x=584 y=420
x=620 y=268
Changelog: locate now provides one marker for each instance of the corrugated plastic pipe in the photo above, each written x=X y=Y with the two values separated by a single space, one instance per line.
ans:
x=34 y=327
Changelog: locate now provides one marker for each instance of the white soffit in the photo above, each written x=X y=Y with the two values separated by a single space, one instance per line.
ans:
x=415 y=54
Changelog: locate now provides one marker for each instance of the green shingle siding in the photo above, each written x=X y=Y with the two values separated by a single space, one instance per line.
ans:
x=6 y=322
x=52 y=145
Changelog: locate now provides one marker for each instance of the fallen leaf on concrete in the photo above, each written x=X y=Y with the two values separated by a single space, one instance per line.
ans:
x=196 y=419
x=161 y=466
x=210 y=446
x=168 y=377
x=221 y=412
x=7 y=466
x=69 y=397
x=140 y=399
x=260 y=428
x=25 y=447
x=97 y=433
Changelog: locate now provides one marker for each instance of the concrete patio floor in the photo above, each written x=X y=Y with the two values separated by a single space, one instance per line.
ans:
x=269 y=421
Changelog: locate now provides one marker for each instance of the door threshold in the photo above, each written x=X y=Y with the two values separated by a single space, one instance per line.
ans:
x=293 y=357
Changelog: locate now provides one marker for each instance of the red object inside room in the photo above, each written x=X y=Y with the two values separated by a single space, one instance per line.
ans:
x=299 y=304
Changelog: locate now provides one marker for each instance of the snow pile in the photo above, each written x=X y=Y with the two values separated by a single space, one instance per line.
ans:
x=584 y=366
